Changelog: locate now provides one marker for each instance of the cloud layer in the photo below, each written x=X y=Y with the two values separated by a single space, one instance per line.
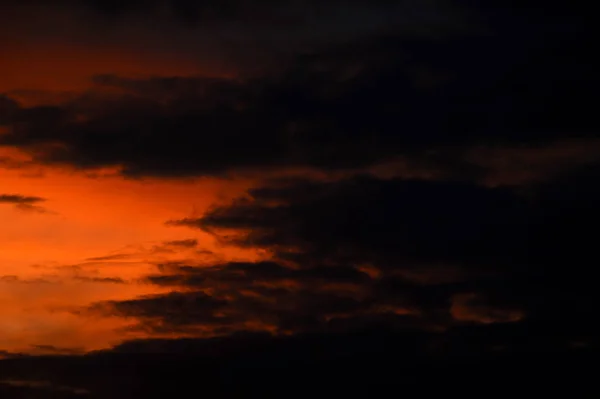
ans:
x=412 y=254
x=23 y=202
x=295 y=197
x=355 y=103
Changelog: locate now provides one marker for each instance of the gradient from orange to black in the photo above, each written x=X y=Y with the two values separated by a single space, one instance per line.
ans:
x=234 y=198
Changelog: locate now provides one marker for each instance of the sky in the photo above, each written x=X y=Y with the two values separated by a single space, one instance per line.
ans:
x=334 y=183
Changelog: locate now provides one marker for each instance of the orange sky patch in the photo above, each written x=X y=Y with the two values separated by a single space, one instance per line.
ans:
x=61 y=67
x=49 y=55
x=59 y=50
x=45 y=256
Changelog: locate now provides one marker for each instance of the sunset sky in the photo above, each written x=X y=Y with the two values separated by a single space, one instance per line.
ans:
x=175 y=172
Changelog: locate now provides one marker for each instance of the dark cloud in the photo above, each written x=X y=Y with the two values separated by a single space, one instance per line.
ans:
x=8 y=108
x=174 y=310
x=23 y=202
x=449 y=252
x=51 y=349
x=270 y=297
x=412 y=254
x=189 y=243
x=108 y=280
x=372 y=280
x=366 y=362
x=367 y=100
x=109 y=257
x=484 y=255
x=19 y=199
x=391 y=222
x=266 y=271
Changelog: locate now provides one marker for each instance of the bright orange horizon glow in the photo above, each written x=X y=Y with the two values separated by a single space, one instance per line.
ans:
x=45 y=255
x=50 y=254
x=47 y=271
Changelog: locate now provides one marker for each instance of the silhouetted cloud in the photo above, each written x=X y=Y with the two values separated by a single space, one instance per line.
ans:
x=189 y=243
x=108 y=280
x=23 y=202
x=368 y=361
x=357 y=103
x=55 y=350
x=109 y=257
x=19 y=199
x=269 y=297
x=393 y=223
x=449 y=252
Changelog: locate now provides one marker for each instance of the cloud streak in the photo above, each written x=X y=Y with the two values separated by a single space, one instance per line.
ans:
x=446 y=251
x=23 y=203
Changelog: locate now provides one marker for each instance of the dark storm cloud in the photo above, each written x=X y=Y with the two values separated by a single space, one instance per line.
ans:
x=267 y=296
x=173 y=309
x=390 y=222
x=351 y=105
x=369 y=362
x=266 y=271
x=427 y=241
x=413 y=254
x=446 y=250
x=400 y=282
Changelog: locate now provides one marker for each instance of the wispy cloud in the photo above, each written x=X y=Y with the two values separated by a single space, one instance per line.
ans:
x=23 y=202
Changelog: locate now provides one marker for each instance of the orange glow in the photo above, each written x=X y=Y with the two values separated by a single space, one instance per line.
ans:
x=467 y=308
x=49 y=51
x=54 y=256
x=44 y=257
